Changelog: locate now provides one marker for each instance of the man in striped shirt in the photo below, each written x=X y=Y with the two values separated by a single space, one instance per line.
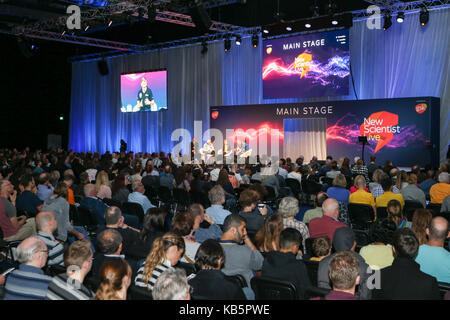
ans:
x=47 y=224
x=29 y=282
x=69 y=285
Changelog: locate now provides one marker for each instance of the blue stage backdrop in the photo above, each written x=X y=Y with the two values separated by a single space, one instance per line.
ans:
x=407 y=60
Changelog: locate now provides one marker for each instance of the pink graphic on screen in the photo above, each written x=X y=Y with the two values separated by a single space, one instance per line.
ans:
x=131 y=87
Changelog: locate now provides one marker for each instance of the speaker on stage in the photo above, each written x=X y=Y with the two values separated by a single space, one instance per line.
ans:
x=103 y=67
x=200 y=18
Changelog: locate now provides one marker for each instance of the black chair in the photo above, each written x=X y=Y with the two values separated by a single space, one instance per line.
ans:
x=113 y=202
x=73 y=213
x=134 y=209
x=310 y=188
x=309 y=246
x=362 y=238
x=139 y=293
x=445 y=214
x=182 y=198
x=410 y=207
x=78 y=199
x=238 y=279
x=200 y=197
x=152 y=194
x=189 y=268
x=266 y=288
x=443 y=288
x=87 y=218
x=381 y=213
x=54 y=270
x=295 y=187
x=313 y=269
x=435 y=208
x=8 y=251
x=164 y=195
x=360 y=215
x=328 y=181
x=313 y=292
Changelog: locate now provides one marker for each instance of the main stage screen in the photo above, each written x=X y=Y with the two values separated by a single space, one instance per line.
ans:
x=313 y=65
x=145 y=91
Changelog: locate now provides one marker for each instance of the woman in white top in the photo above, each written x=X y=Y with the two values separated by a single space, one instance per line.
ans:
x=183 y=225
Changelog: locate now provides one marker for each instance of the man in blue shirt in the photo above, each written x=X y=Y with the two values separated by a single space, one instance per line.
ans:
x=137 y=196
x=202 y=234
x=217 y=198
x=45 y=189
x=28 y=201
x=432 y=257
x=29 y=282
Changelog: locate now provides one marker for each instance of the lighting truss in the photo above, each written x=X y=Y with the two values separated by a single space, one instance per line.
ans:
x=395 y=6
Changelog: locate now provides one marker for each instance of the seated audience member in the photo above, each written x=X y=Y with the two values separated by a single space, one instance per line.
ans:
x=344 y=273
x=378 y=254
x=166 y=178
x=224 y=181
x=115 y=278
x=154 y=227
x=317 y=212
x=394 y=213
x=166 y=253
x=183 y=225
x=328 y=223
x=202 y=234
x=403 y=280
x=400 y=181
x=388 y=195
x=208 y=261
x=345 y=167
x=440 y=190
x=240 y=259
x=432 y=257
x=27 y=200
x=268 y=237
x=334 y=170
x=372 y=166
x=360 y=169
x=172 y=284
x=344 y=240
x=248 y=200
x=78 y=190
x=295 y=175
x=8 y=197
x=69 y=181
x=217 y=198
x=28 y=282
x=361 y=196
x=119 y=188
x=47 y=225
x=288 y=209
x=420 y=222
x=412 y=192
x=375 y=187
x=321 y=248
x=115 y=220
x=91 y=201
x=69 y=285
x=45 y=188
x=58 y=205
x=338 y=191
x=109 y=245
x=137 y=196
x=445 y=207
x=16 y=228
x=428 y=182
x=102 y=185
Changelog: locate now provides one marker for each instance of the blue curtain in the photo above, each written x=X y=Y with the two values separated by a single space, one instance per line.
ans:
x=407 y=60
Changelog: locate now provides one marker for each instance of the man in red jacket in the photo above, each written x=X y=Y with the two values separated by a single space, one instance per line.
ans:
x=328 y=223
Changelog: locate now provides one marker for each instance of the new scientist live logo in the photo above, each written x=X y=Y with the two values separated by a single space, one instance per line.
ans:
x=381 y=127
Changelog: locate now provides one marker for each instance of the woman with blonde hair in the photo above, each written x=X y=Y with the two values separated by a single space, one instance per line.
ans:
x=268 y=237
x=102 y=185
x=420 y=221
x=115 y=278
x=166 y=252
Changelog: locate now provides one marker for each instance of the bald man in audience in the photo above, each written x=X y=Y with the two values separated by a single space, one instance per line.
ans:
x=432 y=257
x=328 y=223
x=46 y=224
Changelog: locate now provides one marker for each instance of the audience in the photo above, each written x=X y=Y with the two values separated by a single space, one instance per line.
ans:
x=91 y=202
x=183 y=225
x=428 y=182
x=361 y=196
x=403 y=280
x=8 y=197
x=288 y=209
x=267 y=238
x=317 y=212
x=328 y=223
x=374 y=186
x=201 y=234
x=440 y=190
x=138 y=196
x=208 y=261
x=432 y=257
x=321 y=248
x=248 y=200
x=45 y=188
x=102 y=185
x=395 y=213
x=217 y=198
x=47 y=224
x=16 y=228
x=388 y=195
x=115 y=278
x=172 y=285
x=338 y=191
x=28 y=201
x=420 y=222
x=411 y=192
x=109 y=245
x=360 y=169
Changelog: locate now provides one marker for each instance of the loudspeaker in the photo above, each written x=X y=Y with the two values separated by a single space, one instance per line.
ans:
x=103 y=67
x=200 y=18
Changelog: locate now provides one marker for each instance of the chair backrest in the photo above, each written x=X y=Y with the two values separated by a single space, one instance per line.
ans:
x=164 y=194
x=311 y=187
x=266 y=288
x=309 y=246
x=112 y=202
x=271 y=195
x=238 y=279
x=138 y=293
x=410 y=207
x=362 y=238
x=443 y=288
x=181 y=196
x=381 y=213
x=134 y=209
x=313 y=269
x=435 y=208
x=189 y=268
x=294 y=185
x=86 y=217
x=360 y=214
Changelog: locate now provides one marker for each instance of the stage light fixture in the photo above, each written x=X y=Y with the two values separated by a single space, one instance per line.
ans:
x=255 y=40
x=110 y=23
x=64 y=32
x=288 y=29
x=266 y=31
x=227 y=44
x=424 y=16
x=238 y=40
x=86 y=29
x=307 y=25
x=387 y=22
x=334 y=22
x=400 y=17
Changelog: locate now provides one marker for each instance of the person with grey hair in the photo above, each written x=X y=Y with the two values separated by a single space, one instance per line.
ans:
x=440 y=190
x=217 y=198
x=29 y=282
x=115 y=220
x=328 y=223
x=288 y=209
x=172 y=285
x=47 y=225
x=137 y=196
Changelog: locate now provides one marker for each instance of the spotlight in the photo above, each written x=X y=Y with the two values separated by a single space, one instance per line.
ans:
x=387 y=22
x=307 y=25
x=288 y=28
x=255 y=40
x=266 y=31
x=64 y=32
x=238 y=40
x=204 y=46
x=400 y=17
x=110 y=23
x=424 y=16
x=334 y=22
x=86 y=29
x=227 y=44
